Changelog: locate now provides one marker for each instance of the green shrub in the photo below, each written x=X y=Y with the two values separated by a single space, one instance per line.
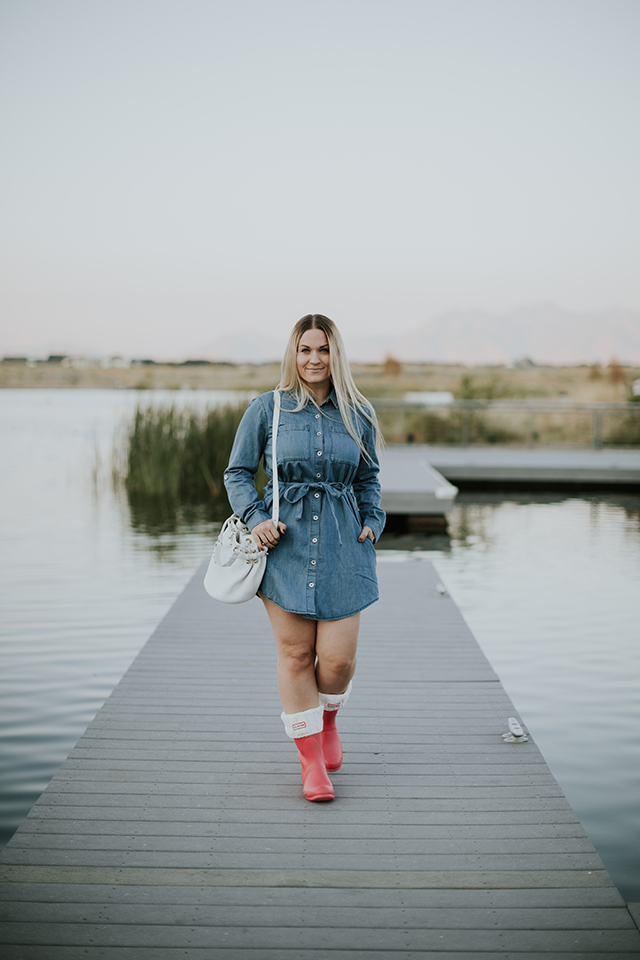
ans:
x=431 y=427
x=625 y=432
x=457 y=426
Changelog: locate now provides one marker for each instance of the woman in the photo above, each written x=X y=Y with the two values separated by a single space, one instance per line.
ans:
x=321 y=570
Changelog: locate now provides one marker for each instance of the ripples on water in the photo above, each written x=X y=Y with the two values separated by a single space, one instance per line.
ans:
x=548 y=584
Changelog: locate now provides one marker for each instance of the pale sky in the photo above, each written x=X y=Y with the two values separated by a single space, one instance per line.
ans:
x=176 y=169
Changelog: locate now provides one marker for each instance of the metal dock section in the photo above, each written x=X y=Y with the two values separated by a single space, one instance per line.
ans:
x=177 y=827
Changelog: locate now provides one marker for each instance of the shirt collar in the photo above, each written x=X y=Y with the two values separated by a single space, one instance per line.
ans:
x=332 y=398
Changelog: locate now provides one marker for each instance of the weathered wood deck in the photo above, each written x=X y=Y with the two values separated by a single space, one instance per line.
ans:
x=177 y=826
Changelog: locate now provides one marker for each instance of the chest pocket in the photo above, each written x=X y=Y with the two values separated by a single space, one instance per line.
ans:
x=344 y=449
x=294 y=442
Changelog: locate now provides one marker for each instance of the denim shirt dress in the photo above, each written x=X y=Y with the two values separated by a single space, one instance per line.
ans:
x=328 y=492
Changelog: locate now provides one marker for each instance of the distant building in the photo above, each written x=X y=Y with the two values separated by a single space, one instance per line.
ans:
x=14 y=359
x=56 y=357
x=79 y=363
x=116 y=362
x=635 y=388
x=430 y=398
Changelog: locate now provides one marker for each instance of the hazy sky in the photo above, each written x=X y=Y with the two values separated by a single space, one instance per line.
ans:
x=176 y=169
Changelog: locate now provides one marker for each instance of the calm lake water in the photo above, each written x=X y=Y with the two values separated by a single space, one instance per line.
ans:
x=548 y=584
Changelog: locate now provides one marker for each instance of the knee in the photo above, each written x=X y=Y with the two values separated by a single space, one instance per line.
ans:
x=339 y=665
x=296 y=656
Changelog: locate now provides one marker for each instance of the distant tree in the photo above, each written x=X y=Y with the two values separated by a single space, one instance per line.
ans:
x=595 y=372
x=616 y=371
x=391 y=367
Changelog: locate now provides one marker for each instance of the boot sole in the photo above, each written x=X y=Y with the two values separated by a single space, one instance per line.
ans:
x=321 y=797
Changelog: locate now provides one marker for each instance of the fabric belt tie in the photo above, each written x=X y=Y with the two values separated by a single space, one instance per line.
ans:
x=296 y=492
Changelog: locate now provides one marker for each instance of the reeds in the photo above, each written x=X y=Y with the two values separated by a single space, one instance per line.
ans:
x=179 y=456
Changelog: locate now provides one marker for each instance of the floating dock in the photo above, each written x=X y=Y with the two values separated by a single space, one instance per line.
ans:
x=411 y=486
x=176 y=829
x=422 y=480
x=519 y=466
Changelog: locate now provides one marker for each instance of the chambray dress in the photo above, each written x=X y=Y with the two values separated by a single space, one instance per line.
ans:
x=328 y=492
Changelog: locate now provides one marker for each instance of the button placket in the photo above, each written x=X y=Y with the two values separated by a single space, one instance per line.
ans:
x=313 y=562
x=314 y=545
x=314 y=541
x=319 y=447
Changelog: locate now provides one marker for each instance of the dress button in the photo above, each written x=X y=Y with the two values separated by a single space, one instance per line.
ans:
x=310 y=584
x=318 y=474
x=317 y=416
x=314 y=540
x=319 y=453
x=315 y=518
x=319 y=433
x=313 y=563
x=316 y=495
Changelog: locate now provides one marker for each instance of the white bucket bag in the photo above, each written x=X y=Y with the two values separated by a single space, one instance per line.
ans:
x=238 y=564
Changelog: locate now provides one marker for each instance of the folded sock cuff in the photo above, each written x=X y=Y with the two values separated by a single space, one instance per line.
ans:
x=333 y=701
x=303 y=724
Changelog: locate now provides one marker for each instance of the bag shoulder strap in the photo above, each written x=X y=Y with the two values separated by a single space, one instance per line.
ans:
x=275 y=510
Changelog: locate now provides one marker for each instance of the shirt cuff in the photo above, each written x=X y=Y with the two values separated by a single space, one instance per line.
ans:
x=256 y=515
x=375 y=526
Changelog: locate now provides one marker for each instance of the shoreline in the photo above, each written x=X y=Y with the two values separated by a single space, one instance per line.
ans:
x=579 y=383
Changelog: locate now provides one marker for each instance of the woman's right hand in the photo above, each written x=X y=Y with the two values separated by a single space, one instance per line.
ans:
x=266 y=535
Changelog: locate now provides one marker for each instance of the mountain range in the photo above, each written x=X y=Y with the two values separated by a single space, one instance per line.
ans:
x=545 y=333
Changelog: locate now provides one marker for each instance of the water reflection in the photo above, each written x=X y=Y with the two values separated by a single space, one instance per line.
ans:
x=469 y=523
x=156 y=517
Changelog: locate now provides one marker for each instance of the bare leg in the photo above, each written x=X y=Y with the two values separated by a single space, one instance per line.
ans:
x=336 y=645
x=299 y=641
x=296 y=644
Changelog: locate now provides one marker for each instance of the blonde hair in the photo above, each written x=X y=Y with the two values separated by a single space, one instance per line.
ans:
x=350 y=400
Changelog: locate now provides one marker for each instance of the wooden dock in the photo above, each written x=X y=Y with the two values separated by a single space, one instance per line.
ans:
x=177 y=827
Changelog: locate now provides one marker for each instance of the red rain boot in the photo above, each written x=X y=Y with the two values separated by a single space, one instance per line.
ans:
x=331 y=746
x=315 y=782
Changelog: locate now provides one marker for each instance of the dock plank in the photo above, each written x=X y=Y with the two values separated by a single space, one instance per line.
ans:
x=177 y=825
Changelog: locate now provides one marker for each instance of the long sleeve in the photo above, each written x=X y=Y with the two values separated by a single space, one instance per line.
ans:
x=248 y=447
x=366 y=486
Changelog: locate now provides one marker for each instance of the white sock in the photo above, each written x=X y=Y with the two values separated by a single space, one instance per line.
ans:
x=303 y=724
x=333 y=701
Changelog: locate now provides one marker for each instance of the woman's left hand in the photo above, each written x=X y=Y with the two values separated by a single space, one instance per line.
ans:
x=366 y=532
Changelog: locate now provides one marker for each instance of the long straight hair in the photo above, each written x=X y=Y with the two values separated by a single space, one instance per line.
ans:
x=350 y=401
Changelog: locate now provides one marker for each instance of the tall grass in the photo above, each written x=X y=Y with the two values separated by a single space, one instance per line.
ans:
x=180 y=456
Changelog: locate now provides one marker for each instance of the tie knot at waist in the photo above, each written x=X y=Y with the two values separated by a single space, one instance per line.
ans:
x=296 y=492
x=293 y=492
